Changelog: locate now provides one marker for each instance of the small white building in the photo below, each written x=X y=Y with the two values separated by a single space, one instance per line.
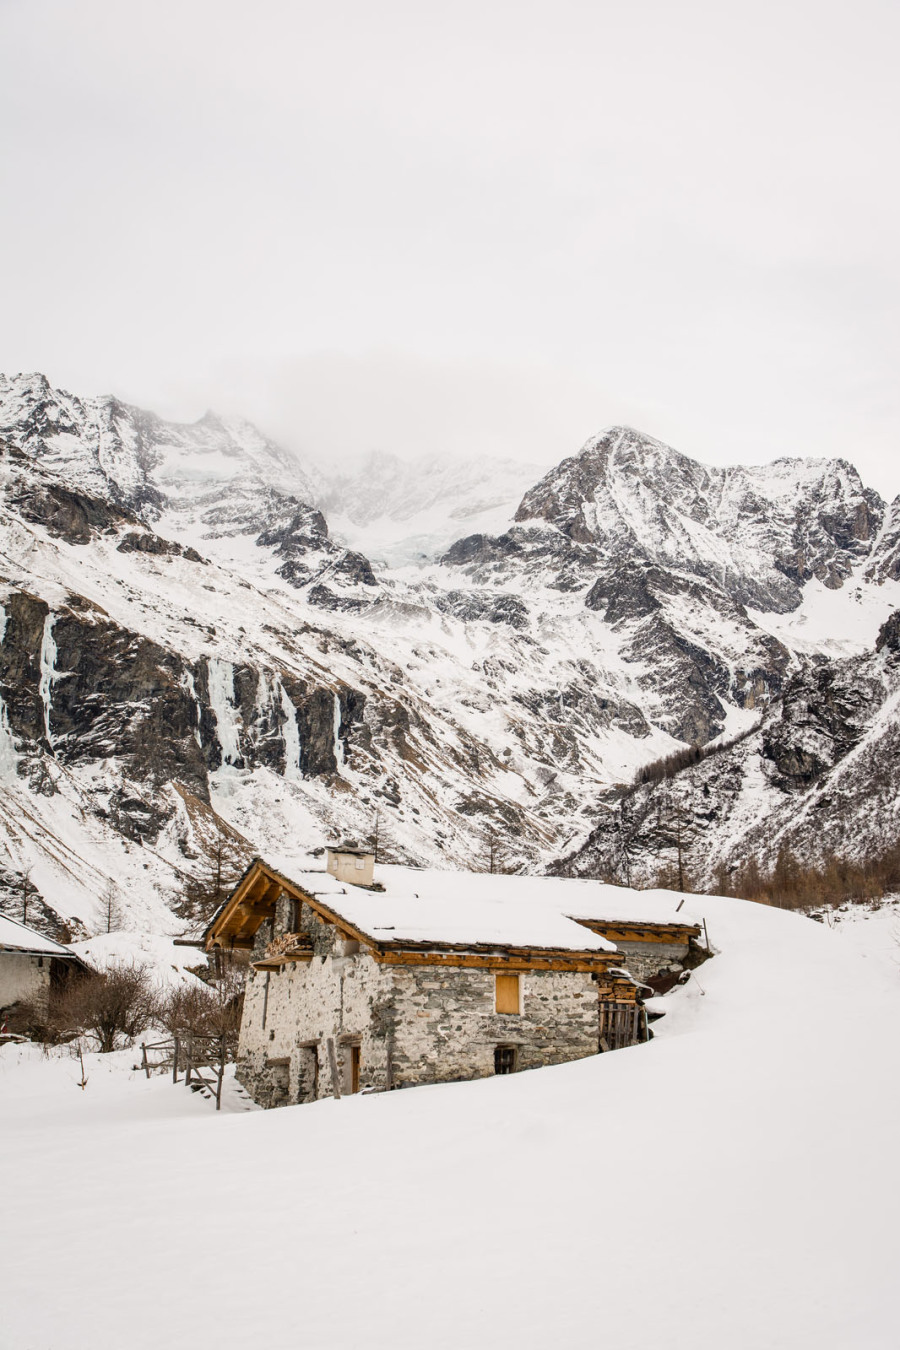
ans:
x=31 y=966
x=346 y=862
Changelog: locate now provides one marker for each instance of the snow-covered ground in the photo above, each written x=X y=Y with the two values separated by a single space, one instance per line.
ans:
x=731 y=1186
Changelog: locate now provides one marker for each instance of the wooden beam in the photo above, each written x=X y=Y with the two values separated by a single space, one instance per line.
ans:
x=492 y=961
x=623 y=931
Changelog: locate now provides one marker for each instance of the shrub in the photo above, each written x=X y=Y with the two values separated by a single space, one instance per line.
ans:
x=111 y=1007
x=205 y=1010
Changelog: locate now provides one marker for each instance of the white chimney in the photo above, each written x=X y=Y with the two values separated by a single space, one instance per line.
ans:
x=350 y=864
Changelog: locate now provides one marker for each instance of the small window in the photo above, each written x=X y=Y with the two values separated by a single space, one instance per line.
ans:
x=359 y=865
x=508 y=994
x=505 y=1059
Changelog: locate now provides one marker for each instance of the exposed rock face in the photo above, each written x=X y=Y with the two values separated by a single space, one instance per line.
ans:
x=80 y=687
x=819 y=775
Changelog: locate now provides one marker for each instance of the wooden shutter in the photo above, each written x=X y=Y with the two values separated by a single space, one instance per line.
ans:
x=507 y=993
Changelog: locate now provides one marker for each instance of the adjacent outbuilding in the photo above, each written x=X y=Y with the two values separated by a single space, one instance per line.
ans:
x=32 y=967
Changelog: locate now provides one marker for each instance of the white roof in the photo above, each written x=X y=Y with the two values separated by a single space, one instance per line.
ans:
x=469 y=908
x=16 y=937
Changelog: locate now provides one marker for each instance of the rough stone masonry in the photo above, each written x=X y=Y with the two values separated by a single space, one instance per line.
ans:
x=395 y=1025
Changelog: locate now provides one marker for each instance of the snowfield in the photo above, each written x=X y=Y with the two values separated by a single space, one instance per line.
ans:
x=733 y=1185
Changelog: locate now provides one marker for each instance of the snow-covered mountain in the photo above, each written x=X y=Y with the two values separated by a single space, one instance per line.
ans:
x=758 y=533
x=187 y=650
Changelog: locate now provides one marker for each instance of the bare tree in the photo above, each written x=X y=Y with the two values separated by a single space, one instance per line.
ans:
x=206 y=1009
x=497 y=853
x=26 y=891
x=674 y=833
x=226 y=859
x=113 y=916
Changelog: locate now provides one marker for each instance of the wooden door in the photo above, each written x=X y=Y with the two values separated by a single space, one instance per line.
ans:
x=507 y=994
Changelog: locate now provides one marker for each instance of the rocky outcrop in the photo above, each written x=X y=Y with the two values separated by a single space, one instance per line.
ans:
x=819 y=775
x=147 y=542
x=77 y=687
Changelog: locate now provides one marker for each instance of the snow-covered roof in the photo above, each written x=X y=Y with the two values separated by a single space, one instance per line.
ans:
x=478 y=908
x=15 y=936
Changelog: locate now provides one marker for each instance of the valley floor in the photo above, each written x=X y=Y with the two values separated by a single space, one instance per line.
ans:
x=733 y=1185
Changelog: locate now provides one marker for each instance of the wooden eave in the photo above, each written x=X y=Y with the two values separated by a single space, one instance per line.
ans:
x=276 y=962
x=478 y=957
x=621 y=930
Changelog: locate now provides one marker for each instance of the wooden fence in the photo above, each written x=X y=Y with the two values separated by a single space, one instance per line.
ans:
x=201 y=1059
x=622 y=1024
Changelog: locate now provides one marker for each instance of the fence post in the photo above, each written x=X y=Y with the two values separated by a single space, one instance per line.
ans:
x=221 y=1072
x=144 y=1065
x=175 y=1062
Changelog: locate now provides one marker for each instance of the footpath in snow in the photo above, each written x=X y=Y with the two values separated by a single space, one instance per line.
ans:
x=733 y=1185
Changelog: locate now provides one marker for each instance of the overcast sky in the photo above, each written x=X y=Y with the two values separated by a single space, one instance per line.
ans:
x=463 y=228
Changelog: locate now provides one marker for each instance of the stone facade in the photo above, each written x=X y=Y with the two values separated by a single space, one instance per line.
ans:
x=397 y=1025
x=650 y=960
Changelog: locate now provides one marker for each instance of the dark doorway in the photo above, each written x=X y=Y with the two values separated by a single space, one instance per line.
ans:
x=505 y=1059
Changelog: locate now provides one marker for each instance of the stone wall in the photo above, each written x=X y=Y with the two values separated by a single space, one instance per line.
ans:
x=412 y=1024
x=289 y=1015
x=647 y=960
x=447 y=1028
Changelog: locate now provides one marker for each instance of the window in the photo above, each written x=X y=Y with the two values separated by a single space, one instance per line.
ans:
x=359 y=865
x=505 y=1059
x=508 y=994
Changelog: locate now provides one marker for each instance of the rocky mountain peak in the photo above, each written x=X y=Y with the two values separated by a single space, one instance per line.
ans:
x=761 y=531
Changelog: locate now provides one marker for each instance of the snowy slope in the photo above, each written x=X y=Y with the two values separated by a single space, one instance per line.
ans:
x=733 y=1183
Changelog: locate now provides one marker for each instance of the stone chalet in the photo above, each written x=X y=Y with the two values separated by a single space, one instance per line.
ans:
x=429 y=977
x=32 y=967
